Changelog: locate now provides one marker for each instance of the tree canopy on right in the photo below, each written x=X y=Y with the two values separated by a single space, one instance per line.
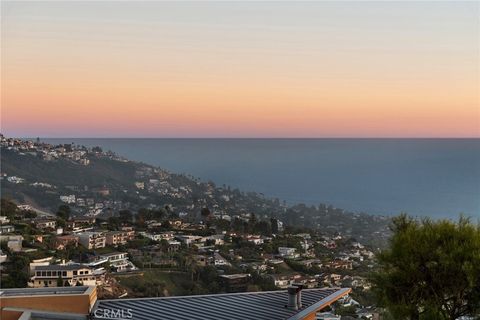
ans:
x=431 y=269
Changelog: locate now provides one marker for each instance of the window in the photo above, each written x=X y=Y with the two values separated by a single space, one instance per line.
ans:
x=38 y=273
x=75 y=273
x=44 y=273
x=49 y=273
x=64 y=273
x=54 y=273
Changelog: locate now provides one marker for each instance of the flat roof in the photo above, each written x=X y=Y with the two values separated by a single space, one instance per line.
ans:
x=266 y=305
x=116 y=253
x=54 y=267
x=24 y=292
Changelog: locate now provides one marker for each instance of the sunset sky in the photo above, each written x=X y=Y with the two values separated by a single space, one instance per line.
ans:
x=240 y=69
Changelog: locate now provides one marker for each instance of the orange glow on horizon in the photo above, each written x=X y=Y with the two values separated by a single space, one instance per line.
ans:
x=78 y=78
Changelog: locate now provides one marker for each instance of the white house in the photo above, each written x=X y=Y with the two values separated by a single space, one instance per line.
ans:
x=218 y=260
x=286 y=251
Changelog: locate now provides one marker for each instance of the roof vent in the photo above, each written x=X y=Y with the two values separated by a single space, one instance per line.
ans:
x=299 y=294
x=293 y=297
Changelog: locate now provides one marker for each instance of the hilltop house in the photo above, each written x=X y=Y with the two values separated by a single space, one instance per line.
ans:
x=92 y=239
x=62 y=241
x=116 y=238
x=52 y=275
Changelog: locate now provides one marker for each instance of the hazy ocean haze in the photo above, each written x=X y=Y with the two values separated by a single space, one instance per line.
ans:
x=433 y=177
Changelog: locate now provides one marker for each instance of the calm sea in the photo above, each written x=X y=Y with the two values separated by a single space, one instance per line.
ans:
x=432 y=177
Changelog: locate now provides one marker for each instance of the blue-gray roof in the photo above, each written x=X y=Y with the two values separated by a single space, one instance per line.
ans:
x=267 y=305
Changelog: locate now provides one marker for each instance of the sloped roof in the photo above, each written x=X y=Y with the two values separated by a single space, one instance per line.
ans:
x=267 y=305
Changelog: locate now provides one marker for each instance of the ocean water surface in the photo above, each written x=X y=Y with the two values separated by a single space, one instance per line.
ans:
x=424 y=177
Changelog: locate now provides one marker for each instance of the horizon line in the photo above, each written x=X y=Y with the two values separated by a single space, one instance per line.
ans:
x=254 y=138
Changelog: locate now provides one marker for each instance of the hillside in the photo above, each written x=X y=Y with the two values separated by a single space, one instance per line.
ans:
x=100 y=171
x=108 y=184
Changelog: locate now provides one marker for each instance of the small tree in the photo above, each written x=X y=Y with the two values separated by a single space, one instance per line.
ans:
x=431 y=269
x=205 y=212
x=60 y=281
x=125 y=216
x=63 y=212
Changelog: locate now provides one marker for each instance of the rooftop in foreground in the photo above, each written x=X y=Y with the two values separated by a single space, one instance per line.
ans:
x=267 y=305
x=47 y=291
x=66 y=303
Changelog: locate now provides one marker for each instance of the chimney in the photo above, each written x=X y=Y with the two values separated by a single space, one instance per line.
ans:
x=292 y=297
x=299 y=294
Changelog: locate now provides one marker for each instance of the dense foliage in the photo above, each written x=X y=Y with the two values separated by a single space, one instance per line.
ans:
x=431 y=269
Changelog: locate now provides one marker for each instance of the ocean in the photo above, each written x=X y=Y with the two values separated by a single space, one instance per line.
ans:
x=439 y=178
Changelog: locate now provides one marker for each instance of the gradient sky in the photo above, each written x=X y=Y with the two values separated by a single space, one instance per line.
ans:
x=240 y=69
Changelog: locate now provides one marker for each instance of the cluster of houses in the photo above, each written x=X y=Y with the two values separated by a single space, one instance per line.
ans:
x=208 y=253
x=78 y=231
x=83 y=231
x=181 y=237
x=46 y=151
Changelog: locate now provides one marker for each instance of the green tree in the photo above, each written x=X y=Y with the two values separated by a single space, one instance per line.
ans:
x=60 y=281
x=205 y=212
x=125 y=216
x=8 y=208
x=431 y=269
x=63 y=212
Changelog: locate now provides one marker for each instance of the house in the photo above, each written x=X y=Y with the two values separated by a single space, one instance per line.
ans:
x=216 y=239
x=45 y=223
x=334 y=278
x=80 y=224
x=66 y=275
x=119 y=261
x=4 y=220
x=6 y=229
x=14 y=243
x=116 y=238
x=68 y=198
x=40 y=262
x=159 y=236
x=283 y=281
x=340 y=264
x=235 y=282
x=257 y=266
x=287 y=252
x=177 y=223
x=256 y=240
x=173 y=246
x=188 y=239
x=218 y=260
x=62 y=241
x=311 y=263
x=92 y=239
